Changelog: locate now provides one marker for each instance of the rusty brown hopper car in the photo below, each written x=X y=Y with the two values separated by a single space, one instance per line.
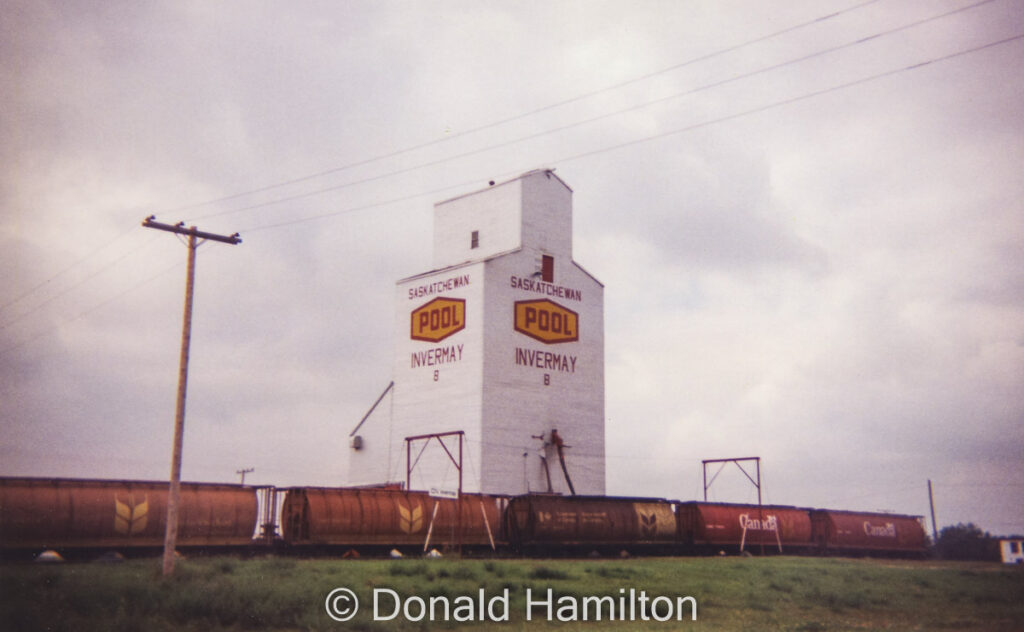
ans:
x=339 y=517
x=66 y=514
x=548 y=522
x=727 y=526
x=857 y=532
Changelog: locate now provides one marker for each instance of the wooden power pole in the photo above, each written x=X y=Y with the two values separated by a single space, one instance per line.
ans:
x=171 y=534
x=931 y=505
x=242 y=472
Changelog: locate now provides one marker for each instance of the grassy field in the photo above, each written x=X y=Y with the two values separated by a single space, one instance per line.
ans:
x=735 y=593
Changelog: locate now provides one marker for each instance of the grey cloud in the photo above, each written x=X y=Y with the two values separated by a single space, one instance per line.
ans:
x=833 y=284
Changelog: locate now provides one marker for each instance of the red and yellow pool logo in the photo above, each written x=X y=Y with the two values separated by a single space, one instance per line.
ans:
x=438 y=319
x=547 y=321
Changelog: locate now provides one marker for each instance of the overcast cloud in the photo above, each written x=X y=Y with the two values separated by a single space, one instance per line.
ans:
x=834 y=283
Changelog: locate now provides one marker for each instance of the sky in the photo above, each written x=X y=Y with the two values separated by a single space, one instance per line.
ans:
x=808 y=217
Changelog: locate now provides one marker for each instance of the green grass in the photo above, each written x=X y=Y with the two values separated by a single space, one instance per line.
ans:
x=777 y=593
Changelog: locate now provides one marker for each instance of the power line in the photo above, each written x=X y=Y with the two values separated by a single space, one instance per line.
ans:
x=81 y=282
x=660 y=135
x=617 y=146
x=517 y=117
x=63 y=271
x=564 y=102
x=788 y=101
x=579 y=123
x=388 y=202
x=92 y=309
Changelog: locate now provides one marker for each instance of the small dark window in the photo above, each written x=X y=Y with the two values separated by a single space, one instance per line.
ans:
x=474 y=239
x=547 y=268
x=1014 y=547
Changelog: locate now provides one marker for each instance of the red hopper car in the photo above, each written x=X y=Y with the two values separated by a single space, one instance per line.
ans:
x=858 y=533
x=69 y=514
x=353 y=517
x=731 y=527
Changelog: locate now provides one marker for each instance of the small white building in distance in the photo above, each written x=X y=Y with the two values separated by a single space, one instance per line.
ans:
x=1012 y=550
x=503 y=341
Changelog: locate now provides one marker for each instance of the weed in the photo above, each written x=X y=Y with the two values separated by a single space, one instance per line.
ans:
x=543 y=572
x=495 y=569
x=406 y=569
x=280 y=565
x=464 y=573
x=613 y=572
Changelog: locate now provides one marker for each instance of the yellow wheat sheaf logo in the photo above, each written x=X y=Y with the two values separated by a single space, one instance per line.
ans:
x=649 y=524
x=130 y=519
x=410 y=519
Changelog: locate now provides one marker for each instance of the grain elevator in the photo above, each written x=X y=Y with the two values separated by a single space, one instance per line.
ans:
x=501 y=341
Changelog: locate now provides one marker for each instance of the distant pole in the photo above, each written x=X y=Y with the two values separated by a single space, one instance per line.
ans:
x=758 y=463
x=243 y=472
x=931 y=505
x=171 y=533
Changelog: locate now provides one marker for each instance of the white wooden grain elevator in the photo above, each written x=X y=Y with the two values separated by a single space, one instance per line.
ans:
x=503 y=340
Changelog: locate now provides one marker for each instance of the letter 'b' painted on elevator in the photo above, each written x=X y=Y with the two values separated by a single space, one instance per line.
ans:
x=547 y=321
x=438 y=319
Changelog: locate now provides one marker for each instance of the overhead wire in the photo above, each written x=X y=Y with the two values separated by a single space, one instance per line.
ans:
x=688 y=128
x=93 y=308
x=75 y=264
x=593 y=119
x=517 y=117
x=65 y=270
x=516 y=140
x=65 y=291
x=789 y=101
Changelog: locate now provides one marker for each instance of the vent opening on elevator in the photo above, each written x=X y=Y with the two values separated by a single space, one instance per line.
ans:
x=547 y=268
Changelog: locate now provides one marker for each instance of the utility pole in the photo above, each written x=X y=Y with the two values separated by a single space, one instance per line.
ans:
x=931 y=505
x=243 y=472
x=174 y=492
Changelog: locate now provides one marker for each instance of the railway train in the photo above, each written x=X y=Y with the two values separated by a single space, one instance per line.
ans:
x=79 y=516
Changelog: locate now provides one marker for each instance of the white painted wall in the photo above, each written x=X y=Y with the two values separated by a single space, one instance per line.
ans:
x=369 y=464
x=439 y=396
x=517 y=402
x=496 y=213
x=547 y=214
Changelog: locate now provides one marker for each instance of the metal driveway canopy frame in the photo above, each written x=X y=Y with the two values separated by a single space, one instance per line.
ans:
x=410 y=465
x=756 y=482
x=724 y=462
